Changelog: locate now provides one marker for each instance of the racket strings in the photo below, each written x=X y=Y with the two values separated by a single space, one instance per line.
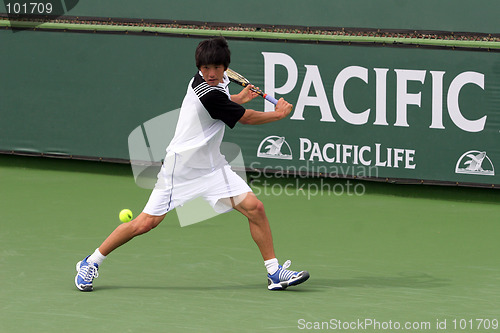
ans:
x=242 y=81
x=233 y=75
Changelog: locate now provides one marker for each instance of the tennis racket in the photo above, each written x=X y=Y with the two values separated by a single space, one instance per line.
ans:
x=242 y=81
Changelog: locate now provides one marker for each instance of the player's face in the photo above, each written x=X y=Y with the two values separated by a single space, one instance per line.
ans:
x=213 y=74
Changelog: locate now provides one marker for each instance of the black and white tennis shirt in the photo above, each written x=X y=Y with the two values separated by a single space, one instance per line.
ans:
x=205 y=112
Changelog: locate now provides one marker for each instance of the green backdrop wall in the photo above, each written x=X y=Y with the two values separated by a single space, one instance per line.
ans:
x=382 y=112
x=449 y=15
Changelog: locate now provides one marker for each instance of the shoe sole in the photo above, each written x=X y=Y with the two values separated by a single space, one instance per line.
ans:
x=302 y=277
x=81 y=287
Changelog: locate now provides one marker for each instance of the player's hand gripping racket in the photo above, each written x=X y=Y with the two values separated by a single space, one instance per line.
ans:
x=242 y=81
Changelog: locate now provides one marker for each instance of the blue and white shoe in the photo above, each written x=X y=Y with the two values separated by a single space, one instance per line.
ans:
x=283 y=278
x=87 y=272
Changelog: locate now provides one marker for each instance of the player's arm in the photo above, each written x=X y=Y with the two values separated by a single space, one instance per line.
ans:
x=252 y=117
x=245 y=96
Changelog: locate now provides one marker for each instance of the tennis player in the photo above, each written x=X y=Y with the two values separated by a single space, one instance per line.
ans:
x=194 y=167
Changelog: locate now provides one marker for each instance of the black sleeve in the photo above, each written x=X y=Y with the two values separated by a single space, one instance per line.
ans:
x=219 y=106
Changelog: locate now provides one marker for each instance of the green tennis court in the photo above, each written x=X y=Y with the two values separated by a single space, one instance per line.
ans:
x=389 y=256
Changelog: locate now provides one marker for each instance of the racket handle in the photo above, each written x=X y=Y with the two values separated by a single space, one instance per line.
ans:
x=271 y=99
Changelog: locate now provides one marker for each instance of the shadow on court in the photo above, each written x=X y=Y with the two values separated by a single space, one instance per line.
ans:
x=416 y=281
x=306 y=287
x=403 y=280
x=256 y=286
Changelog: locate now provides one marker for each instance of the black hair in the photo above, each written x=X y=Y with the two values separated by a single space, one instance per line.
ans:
x=214 y=51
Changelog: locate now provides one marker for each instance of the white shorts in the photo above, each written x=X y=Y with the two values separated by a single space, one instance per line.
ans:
x=174 y=189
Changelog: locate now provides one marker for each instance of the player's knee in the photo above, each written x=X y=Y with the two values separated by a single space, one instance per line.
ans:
x=145 y=224
x=256 y=208
x=143 y=228
x=259 y=207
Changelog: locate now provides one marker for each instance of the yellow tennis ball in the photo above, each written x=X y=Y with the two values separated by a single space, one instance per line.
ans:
x=126 y=215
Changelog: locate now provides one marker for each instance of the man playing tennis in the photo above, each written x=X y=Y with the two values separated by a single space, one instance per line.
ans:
x=194 y=167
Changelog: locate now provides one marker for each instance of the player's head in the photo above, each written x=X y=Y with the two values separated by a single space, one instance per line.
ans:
x=214 y=51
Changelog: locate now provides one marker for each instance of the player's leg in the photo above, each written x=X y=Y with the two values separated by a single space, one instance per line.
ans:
x=87 y=269
x=160 y=202
x=126 y=231
x=279 y=277
x=260 y=230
